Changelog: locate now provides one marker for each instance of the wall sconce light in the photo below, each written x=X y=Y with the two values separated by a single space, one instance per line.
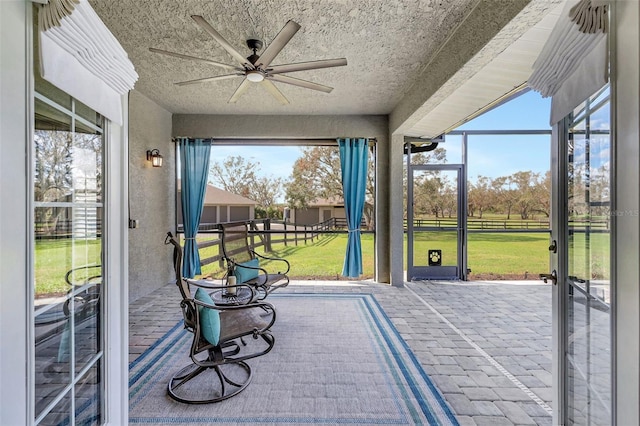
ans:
x=155 y=157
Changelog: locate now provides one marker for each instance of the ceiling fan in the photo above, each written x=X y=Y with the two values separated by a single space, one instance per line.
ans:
x=257 y=68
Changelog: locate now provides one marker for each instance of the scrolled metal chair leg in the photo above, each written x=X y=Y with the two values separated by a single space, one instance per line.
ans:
x=178 y=389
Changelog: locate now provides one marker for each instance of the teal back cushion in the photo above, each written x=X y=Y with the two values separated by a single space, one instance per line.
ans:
x=245 y=274
x=209 y=318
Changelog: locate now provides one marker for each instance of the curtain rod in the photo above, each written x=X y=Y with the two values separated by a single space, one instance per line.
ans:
x=276 y=142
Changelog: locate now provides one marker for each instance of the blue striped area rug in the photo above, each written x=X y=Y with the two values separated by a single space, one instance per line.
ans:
x=338 y=359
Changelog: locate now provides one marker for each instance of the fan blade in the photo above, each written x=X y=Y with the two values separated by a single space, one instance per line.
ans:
x=209 y=61
x=301 y=83
x=206 y=79
x=224 y=43
x=239 y=91
x=303 y=66
x=271 y=88
x=278 y=43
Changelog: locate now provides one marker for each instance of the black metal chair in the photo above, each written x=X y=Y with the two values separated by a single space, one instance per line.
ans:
x=218 y=344
x=245 y=263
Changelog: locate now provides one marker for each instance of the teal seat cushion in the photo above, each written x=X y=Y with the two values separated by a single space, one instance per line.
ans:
x=209 y=318
x=246 y=274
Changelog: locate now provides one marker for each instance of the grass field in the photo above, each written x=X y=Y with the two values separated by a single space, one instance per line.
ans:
x=507 y=256
x=499 y=255
x=53 y=258
x=490 y=256
x=321 y=259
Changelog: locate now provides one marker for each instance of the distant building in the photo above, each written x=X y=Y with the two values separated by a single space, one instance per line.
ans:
x=221 y=206
x=320 y=210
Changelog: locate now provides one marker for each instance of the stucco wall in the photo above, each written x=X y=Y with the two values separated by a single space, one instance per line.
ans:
x=280 y=126
x=151 y=196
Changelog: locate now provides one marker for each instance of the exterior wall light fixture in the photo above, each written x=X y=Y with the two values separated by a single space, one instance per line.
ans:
x=155 y=157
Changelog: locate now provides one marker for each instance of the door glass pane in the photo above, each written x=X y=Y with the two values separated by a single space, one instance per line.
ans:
x=52 y=368
x=60 y=414
x=68 y=209
x=588 y=285
x=435 y=248
x=87 y=398
x=435 y=224
x=435 y=198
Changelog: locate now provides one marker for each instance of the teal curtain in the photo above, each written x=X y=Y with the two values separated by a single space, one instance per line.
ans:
x=353 y=163
x=194 y=169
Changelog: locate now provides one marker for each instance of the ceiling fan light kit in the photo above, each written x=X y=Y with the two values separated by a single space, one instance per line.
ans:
x=257 y=68
x=255 y=76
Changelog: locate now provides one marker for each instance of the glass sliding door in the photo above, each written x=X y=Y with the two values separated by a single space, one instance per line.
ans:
x=587 y=283
x=68 y=286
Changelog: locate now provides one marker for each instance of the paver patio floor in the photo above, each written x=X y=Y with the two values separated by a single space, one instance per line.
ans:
x=486 y=345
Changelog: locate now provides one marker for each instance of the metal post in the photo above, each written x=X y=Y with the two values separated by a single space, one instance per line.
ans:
x=464 y=203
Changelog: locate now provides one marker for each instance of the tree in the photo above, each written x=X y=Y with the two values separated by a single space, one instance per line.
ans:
x=266 y=191
x=317 y=174
x=242 y=177
x=542 y=193
x=525 y=182
x=427 y=194
x=66 y=164
x=481 y=196
x=53 y=176
x=427 y=184
x=437 y=156
x=448 y=199
x=505 y=196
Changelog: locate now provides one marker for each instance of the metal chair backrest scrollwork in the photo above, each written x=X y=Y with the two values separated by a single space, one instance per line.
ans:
x=249 y=266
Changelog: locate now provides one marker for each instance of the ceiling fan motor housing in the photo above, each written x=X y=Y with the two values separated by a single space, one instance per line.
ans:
x=255 y=45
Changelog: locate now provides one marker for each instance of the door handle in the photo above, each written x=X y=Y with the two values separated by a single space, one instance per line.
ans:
x=553 y=276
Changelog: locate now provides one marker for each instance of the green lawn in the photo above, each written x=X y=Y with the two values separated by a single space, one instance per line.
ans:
x=500 y=255
x=322 y=258
x=53 y=258
x=589 y=258
x=490 y=255
x=496 y=255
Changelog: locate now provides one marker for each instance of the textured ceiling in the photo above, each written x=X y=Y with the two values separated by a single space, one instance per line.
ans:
x=387 y=44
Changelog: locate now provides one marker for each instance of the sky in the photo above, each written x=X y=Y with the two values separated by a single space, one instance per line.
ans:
x=498 y=155
x=491 y=156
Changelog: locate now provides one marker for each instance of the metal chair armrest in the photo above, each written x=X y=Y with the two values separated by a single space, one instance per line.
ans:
x=276 y=259
x=204 y=285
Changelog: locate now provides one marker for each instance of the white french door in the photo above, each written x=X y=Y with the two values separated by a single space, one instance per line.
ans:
x=582 y=296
